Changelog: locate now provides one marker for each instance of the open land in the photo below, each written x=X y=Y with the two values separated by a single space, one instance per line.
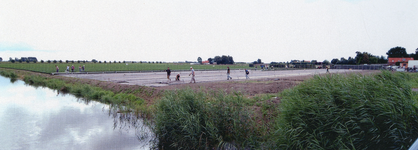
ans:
x=260 y=81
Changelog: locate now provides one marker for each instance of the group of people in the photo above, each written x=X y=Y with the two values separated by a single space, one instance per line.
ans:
x=80 y=68
x=192 y=73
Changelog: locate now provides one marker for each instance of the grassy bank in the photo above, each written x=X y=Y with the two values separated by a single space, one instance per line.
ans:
x=99 y=67
x=120 y=101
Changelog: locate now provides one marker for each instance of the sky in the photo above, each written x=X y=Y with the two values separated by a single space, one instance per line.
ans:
x=180 y=30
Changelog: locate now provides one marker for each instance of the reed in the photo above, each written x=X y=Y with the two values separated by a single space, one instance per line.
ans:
x=185 y=119
x=354 y=112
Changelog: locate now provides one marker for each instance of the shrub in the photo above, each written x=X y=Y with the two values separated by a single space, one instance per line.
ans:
x=60 y=61
x=355 y=112
x=49 y=61
x=42 y=61
x=55 y=61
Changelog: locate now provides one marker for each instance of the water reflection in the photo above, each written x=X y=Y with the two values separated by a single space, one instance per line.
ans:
x=38 y=118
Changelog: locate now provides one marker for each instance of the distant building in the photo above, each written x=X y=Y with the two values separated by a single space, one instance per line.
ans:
x=392 y=60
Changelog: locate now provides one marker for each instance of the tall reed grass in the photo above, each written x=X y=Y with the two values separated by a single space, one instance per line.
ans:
x=185 y=119
x=354 y=112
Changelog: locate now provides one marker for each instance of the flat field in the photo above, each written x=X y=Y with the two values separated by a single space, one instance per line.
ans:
x=112 y=67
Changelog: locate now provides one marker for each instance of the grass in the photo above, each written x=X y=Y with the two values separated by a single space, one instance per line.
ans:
x=121 y=101
x=196 y=120
x=354 y=112
x=103 y=67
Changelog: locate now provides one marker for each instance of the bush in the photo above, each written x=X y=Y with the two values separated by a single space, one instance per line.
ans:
x=42 y=61
x=55 y=61
x=49 y=61
x=355 y=112
x=60 y=61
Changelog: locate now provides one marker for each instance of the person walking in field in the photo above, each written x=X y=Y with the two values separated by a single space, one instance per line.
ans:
x=168 y=73
x=227 y=74
x=327 y=70
x=82 y=67
x=56 y=67
x=246 y=74
x=79 y=68
x=68 y=68
x=72 y=68
x=192 y=73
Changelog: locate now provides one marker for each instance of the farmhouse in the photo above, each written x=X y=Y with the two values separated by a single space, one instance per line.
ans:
x=392 y=60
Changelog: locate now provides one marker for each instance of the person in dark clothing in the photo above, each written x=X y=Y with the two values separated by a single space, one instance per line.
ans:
x=178 y=77
x=168 y=73
x=227 y=74
x=246 y=74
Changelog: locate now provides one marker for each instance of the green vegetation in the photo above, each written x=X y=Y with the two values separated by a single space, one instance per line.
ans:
x=354 y=112
x=330 y=112
x=120 y=101
x=196 y=120
x=101 y=67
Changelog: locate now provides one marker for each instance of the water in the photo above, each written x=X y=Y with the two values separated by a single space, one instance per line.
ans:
x=39 y=118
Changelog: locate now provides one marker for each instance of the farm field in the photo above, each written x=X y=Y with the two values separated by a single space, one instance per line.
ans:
x=159 y=78
x=111 y=67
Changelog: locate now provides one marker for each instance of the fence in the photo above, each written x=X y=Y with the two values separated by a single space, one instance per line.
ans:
x=360 y=67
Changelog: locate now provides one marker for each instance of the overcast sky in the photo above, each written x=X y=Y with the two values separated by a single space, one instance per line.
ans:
x=179 y=30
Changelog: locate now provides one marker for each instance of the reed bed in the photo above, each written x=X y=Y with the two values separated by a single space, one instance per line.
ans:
x=185 y=119
x=354 y=112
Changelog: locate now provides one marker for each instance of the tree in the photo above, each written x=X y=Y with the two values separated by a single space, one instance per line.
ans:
x=199 y=60
x=397 y=52
x=210 y=60
x=326 y=62
x=365 y=59
x=259 y=61
x=334 y=61
x=218 y=59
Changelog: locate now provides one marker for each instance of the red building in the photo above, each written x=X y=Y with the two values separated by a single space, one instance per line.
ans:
x=392 y=60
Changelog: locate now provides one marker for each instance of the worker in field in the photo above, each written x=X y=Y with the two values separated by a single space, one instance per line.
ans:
x=246 y=74
x=228 y=74
x=168 y=73
x=193 y=74
x=56 y=67
x=178 y=77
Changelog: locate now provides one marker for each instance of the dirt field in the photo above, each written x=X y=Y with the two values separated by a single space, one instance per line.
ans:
x=259 y=82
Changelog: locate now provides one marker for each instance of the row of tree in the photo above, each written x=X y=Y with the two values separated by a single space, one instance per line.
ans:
x=361 y=58
x=219 y=60
x=367 y=58
x=401 y=52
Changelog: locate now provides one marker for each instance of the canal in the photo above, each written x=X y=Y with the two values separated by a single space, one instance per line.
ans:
x=41 y=118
